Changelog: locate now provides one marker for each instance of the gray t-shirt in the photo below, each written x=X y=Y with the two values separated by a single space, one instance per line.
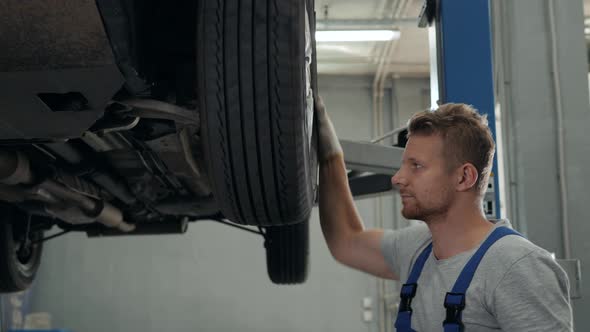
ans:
x=518 y=286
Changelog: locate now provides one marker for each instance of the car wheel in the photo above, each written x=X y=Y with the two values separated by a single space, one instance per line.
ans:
x=287 y=247
x=19 y=258
x=256 y=109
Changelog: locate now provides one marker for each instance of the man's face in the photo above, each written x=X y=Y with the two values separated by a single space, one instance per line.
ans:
x=424 y=181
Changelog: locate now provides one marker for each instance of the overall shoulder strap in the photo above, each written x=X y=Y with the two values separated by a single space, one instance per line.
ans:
x=468 y=271
x=403 y=322
x=455 y=300
x=419 y=265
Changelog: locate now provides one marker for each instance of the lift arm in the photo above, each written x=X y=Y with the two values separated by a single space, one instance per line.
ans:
x=370 y=166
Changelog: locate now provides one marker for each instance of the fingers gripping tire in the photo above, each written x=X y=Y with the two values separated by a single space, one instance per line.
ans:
x=256 y=127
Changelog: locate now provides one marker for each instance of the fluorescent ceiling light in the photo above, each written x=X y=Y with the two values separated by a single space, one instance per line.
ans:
x=356 y=35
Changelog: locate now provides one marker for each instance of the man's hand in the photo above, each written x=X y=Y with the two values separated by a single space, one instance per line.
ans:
x=329 y=146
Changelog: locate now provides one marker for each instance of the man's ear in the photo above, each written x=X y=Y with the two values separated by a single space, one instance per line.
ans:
x=467 y=176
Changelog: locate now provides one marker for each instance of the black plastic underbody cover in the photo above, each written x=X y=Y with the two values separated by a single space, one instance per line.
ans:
x=57 y=69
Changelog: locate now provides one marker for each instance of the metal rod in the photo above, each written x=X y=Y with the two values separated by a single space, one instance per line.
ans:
x=51 y=237
x=228 y=223
x=388 y=134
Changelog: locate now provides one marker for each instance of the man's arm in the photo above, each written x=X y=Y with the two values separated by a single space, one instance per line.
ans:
x=533 y=295
x=341 y=224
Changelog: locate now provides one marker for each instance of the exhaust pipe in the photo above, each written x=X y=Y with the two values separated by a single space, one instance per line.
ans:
x=15 y=169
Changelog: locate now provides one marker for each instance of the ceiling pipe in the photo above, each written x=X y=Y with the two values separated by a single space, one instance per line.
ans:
x=399 y=9
x=563 y=191
x=377 y=111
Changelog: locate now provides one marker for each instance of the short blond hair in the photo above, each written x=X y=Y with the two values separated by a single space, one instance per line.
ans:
x=466 y=137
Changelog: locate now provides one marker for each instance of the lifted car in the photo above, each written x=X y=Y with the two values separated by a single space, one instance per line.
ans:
x=130 y=117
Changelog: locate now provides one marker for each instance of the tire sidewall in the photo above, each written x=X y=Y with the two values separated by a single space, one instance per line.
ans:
x=16 y=276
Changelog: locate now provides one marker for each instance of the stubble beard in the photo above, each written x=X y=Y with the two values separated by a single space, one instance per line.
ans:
x=417 y=211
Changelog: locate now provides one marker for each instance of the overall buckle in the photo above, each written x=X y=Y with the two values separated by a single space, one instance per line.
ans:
x=454 y=303
x=407 y=294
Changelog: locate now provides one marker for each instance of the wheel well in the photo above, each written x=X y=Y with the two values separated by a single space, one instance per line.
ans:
x=154 y=43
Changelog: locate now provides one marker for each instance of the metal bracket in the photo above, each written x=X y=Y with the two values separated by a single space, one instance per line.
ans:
x=372 y=166
x=369 y=157
x=427 y=13
x=366 y=185
x=574 y=272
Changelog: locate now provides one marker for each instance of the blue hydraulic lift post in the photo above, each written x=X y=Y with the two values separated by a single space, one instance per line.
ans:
x=464 y=60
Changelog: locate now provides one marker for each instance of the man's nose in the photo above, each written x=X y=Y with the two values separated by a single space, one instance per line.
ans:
x=397 y=179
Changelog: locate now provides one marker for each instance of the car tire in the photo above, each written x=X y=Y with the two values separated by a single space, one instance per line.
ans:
x=17 y=270
x=287 y=253
x=256 y=128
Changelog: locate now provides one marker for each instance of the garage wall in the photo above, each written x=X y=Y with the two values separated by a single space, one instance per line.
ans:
x=214 y=277
x=536 y=76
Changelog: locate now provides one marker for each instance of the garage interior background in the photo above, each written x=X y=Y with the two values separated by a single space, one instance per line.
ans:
x=214 y=278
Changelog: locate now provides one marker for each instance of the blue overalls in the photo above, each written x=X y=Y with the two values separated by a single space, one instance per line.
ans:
x=455 y=299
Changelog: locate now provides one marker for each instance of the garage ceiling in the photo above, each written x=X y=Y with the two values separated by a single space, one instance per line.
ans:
x=409 y=56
